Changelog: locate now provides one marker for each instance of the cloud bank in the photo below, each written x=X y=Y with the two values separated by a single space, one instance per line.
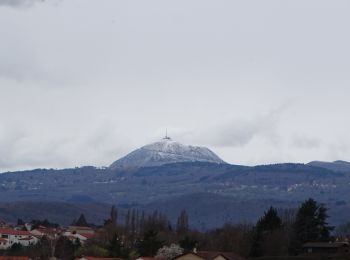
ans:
x=86 y=81
x=19 y=3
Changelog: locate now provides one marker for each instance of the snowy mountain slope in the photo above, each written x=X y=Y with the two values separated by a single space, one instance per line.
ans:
x=164 y=152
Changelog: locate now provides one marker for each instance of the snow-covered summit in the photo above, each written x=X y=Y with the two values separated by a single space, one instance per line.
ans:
x=164 y=152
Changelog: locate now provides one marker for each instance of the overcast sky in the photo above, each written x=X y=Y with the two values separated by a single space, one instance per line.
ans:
x=83 y=82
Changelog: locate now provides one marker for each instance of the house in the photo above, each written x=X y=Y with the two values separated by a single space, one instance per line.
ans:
x=50 y=233
x=74 y=237
x=95 y=258
x=14 y=258
x=326 y=248
x=209 y=255
x=12 y=236
x=80 y=230
x=88 y=236
x=3 y=243
x=82 y=234
x=3 y=224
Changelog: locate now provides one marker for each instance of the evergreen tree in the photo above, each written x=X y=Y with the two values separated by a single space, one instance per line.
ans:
x=81 y=221
x=20 y=222
x=310 y=225
x=36 y=223
x=64 y=248
x=150 y=244
x=113 y=218
x=115 y=246
x=16 y=247
x=44 y=248
x=270 y=221
x=264 y=227
x=188 y=244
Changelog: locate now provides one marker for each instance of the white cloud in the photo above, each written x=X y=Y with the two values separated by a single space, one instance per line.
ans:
x=86 y=81
x=19 y=3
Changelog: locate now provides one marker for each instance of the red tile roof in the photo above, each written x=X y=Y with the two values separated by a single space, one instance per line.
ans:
x=96 y=258
x=25 y=238
x=209 y=255
x=14 y=258
x=213 y=254
x=88 y=236
x=9 y=231
x=80 y=228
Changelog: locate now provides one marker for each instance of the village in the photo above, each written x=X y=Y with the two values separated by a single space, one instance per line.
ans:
x=27 y=235
x=304 y=234
x=24 y=236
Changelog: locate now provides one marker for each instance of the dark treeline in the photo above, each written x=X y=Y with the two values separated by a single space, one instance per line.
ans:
x=279 y=232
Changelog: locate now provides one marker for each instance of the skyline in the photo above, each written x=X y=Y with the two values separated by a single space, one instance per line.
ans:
x=85 y=82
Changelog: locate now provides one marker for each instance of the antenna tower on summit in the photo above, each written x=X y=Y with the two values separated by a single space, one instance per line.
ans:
x=166 y=135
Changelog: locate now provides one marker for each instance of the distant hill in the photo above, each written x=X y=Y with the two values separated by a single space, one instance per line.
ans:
x=337 y=166
x=57 y=212
x=209 y=210
x=226 y=187
x=169 y=176
x=205 y=210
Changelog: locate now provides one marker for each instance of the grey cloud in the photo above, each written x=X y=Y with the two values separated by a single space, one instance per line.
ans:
x=338 y=150
x=237 y=132
x=240 y=132
x=305 y=142
x=150 y=65
x=24 y=148
x=9 y=139
x=19 y=3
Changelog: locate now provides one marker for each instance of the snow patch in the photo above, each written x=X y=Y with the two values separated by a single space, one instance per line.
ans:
x=164 y=152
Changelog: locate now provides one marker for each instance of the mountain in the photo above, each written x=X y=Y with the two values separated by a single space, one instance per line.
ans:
x=229 y=192
x=163 y=152
x=168 y=176
x=337 y=166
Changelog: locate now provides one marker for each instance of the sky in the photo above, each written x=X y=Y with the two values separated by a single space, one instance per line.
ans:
x=84 y=82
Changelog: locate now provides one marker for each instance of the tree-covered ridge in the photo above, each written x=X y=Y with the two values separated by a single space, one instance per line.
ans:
x=248 y=190
x=278 y=232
